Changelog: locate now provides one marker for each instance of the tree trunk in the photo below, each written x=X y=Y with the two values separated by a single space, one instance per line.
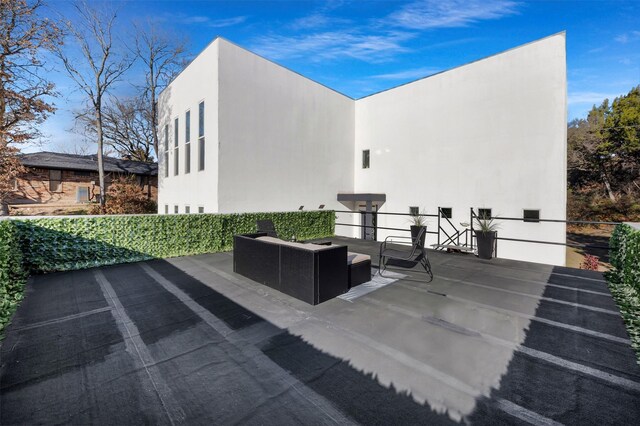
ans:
x=100 y=162
x=154 y=113
x=607 y=185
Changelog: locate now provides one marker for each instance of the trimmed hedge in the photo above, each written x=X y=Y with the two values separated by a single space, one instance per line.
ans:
x=12 y=273
x=624 y=279
x=63 y=244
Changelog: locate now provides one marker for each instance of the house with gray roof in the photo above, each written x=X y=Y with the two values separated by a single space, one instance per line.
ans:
x=58 y=183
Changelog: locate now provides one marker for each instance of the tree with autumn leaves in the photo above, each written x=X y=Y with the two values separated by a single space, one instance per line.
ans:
x=25 y=90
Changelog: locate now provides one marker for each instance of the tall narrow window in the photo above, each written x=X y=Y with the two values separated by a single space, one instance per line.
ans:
x=55 y=180
x=166 y=209
x=201 y=136
x=166 y=150
x=365 y=159
x=176 y=152
x=187 y=142
x=187 y=209
x=175 y=209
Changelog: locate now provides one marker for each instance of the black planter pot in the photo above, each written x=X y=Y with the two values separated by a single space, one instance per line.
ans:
x=486 y=243
x=414 y=233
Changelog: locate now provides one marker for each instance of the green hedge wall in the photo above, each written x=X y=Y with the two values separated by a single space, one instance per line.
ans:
x=62 y=244
x=624 y=279
x=12 y=273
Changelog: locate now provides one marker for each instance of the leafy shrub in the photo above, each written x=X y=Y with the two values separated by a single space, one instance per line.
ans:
x=126 y=196
x=61 y=244
x=12 y=275
x=624 y=279
x=590 y=263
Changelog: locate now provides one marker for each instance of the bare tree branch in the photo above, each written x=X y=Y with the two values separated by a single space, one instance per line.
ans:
x=98 y=67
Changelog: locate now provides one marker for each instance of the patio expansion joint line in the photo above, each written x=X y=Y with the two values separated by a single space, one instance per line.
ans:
x=544 y=356
x=548 y=299
x=447 y=263
x=542 y=283
x=131 y=335
x=233 y=337
x=508 y=407
x=523 y=413
x=522 y=315
x=59 y=320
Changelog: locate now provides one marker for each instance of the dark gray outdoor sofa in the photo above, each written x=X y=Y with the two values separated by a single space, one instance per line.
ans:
x=309 y=272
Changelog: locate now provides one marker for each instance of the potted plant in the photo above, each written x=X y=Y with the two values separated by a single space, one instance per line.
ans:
x=417 y=223
x=485 y=236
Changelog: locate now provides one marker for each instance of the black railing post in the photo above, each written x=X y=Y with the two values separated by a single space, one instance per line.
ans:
x=438 y=225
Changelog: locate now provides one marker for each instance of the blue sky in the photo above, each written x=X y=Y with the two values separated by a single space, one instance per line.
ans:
x=361 y=47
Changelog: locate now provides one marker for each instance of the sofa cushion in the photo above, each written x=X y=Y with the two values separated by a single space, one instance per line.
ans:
x=309 y=246
x=356 y=258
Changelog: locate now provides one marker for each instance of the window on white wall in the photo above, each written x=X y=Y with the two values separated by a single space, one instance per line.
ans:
x=187 y=209
x=365 y=158
x=166 y=209
x=531 y=215
x=175 y=209
x=414 y=211
x=200 y=209
x=176 y=152
x=446 y=212
x=201 y=136
x=484 y=213
x=187 y=142
x=166 y=150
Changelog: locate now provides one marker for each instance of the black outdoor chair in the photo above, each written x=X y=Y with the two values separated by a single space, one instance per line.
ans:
x=405 y=258
x=267 y=227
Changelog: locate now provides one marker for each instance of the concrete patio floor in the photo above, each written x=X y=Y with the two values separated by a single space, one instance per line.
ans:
x=185 y=340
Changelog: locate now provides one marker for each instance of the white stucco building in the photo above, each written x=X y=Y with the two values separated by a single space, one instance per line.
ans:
x=243 y=134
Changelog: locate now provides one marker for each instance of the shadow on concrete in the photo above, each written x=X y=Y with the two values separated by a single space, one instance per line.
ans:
x=592 y=245
x=118 y=345
x=567 y=376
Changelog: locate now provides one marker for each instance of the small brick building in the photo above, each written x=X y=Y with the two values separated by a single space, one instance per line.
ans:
x=57 y=183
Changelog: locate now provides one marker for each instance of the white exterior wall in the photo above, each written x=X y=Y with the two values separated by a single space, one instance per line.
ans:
x=285 y=141
x=489 y=134
x=198 y=82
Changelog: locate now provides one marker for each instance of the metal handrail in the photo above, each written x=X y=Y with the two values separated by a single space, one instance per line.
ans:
x=388 y=213
x=583 y=222
x=473 y=216
x=382 y=227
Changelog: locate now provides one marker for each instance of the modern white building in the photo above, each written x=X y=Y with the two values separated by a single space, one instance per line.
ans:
x=243 y=134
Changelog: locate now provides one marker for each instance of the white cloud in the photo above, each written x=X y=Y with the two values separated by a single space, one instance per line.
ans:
x=208 y=21
x=590 y=98
x=627 y=37
x=226 y=22
x=317 y=20
x=429 y=14
x=333 y=45
x=407 y=74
